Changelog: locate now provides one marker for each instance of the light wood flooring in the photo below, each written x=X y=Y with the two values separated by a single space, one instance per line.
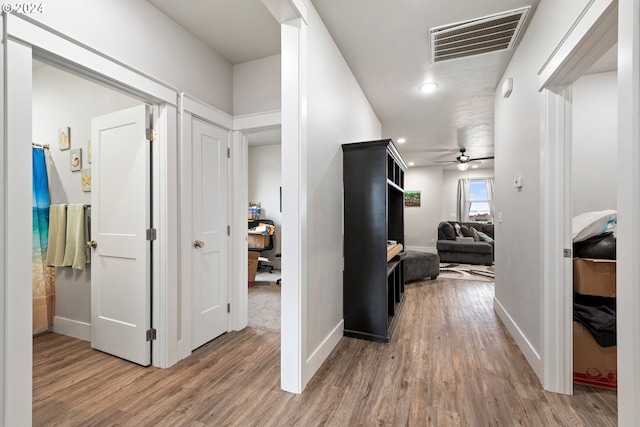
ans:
x=450 y=363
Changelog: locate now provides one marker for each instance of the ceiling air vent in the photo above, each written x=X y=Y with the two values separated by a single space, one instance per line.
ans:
x=477 y=36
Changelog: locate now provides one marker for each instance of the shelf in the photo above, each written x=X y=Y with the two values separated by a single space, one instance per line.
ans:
x=373 y=177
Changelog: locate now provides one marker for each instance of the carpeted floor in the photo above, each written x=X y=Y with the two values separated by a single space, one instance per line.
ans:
x=481 y=273
x=264 y=302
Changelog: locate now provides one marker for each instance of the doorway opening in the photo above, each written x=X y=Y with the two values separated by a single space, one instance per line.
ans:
x=264 y=191
x=63 y=105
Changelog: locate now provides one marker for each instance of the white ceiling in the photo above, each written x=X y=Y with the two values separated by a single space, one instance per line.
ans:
x=239 y=30
x=386 y=45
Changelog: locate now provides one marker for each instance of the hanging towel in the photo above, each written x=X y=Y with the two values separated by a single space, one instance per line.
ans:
x=57 y=236
x=87 y=232
x=74 y=251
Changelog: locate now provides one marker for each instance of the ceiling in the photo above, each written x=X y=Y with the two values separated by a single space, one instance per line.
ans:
x=386 y=45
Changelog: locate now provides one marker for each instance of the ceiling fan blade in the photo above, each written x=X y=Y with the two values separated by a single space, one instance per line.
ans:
x=482 y=158
x=446 y=161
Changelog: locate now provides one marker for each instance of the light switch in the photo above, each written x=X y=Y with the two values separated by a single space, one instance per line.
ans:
x=500 y=217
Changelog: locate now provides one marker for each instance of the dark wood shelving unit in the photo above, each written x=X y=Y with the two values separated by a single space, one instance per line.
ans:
x=373 y=288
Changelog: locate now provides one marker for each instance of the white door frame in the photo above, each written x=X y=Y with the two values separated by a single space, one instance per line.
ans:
x=591 y=36
x=240 y=188
x=191 y=107
x=23 y=40
x=628 y=240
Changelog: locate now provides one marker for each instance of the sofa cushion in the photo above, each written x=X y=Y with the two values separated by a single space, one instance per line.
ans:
x=488 y=229
x=462 y=246
x=466 y=231
x=446 y=231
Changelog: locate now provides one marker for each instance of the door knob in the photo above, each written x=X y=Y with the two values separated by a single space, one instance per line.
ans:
x=198 y=244
x=92 y=244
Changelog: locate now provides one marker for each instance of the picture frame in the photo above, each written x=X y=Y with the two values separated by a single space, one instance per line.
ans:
x=412 y=198
x=75 y=159
x=89 y=151
x=85 y=176
x=64 y=138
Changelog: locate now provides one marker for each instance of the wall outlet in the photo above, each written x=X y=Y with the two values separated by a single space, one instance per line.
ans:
x=433 y=241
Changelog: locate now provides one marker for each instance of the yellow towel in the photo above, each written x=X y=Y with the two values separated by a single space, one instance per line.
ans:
x=57 y=235
x=74 y=251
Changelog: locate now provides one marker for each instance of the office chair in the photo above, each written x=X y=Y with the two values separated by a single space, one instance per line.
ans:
x=254 y=223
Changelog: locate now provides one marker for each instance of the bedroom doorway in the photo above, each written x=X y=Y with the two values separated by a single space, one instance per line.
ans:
x=264 y=190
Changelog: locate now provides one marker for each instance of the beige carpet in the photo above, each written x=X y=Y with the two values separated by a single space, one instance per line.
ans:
x=264 y=302
x=481 y=273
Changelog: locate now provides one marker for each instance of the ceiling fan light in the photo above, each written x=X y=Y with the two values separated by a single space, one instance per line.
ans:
x=462 y=166
x=428 y=87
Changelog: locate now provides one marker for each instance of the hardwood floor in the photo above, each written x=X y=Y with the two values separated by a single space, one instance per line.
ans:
x=450 y=363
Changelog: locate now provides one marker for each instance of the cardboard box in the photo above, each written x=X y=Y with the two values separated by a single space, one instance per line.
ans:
x=594 y=277
x=593 y=365
x=253 y=267
x=258 y=240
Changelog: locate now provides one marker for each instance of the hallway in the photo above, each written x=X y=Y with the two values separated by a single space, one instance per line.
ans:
x=450 y=363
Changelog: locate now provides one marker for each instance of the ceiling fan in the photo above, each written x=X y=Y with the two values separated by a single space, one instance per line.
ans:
x=463 y=161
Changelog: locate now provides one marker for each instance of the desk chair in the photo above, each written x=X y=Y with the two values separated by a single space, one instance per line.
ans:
x=254 y=223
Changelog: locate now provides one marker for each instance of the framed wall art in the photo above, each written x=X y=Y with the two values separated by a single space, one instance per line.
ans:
x=64 y=138
x=412 y=198
x=75 y=157
x=85 y=175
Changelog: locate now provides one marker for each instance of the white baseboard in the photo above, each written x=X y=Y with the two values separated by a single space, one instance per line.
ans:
x=72 y=328
x=317 y=358
x=521 y=340
x=430 y=249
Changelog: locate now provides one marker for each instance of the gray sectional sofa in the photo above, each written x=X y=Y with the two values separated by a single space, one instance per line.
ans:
x=466 y=251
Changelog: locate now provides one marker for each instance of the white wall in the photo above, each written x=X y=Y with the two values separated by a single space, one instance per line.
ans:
x=595 y=143
x=518 y=289
x=421 y=223
x=265 y=180
x=338 y=112
x=256 y=86
x=61 y=99
x=450 y=188
x=154 y=44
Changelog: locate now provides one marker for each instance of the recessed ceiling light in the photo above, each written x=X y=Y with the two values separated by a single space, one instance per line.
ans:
x=401 y=140
x=411 y=163
x=474 y=167
x=428 y=87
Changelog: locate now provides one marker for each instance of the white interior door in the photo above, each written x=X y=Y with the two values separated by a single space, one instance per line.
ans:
x=210 y=238
x=120 y=270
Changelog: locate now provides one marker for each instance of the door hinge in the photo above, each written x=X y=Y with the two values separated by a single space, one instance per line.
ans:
x=151 y=334
x=228 y=153
x=151 y=134
x=228 y=307
x=228 y=230
x=151 y=234
x=566 y=253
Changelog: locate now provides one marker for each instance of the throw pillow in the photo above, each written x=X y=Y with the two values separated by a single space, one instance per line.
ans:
x=474 y=233
x=458 y=230
x=484 y=237
x=465 y=231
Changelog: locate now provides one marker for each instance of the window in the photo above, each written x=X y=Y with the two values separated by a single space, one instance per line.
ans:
x=479 y=201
